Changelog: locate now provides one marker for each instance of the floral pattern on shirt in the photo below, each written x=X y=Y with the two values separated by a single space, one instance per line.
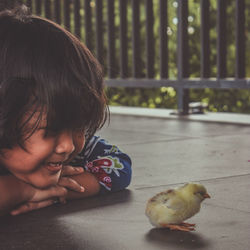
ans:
x=103 y=167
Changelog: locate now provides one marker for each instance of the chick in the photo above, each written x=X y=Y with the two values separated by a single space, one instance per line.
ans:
x=169 y=209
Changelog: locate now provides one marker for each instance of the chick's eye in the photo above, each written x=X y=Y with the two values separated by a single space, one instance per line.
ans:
x=199 y=193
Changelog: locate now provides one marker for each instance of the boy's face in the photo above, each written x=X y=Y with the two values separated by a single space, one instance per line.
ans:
x=41 y=164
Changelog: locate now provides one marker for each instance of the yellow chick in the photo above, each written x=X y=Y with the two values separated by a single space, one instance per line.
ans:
x=169 y=209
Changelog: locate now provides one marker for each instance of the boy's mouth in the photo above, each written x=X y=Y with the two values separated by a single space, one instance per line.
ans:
x=54 y=166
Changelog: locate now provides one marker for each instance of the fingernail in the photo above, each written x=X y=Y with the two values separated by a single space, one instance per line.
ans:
x=79 y=169
x=82 y=189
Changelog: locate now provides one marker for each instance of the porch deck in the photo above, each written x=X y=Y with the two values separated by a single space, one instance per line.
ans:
x=166 y=153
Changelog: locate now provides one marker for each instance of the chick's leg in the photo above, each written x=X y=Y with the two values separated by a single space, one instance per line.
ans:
x=187 y=224
x=186 y=227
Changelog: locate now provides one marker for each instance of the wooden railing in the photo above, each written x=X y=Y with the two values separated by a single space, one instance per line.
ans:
x=86 y=19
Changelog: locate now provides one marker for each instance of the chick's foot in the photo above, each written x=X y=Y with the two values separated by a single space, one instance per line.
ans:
x=187 y=224
x=186 y=227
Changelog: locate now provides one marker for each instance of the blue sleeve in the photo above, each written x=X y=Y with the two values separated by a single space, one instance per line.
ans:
x=111 y=167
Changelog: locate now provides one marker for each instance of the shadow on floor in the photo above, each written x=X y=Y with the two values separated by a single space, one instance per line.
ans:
x=59 y=226
x=165 y=237
x=71 y=207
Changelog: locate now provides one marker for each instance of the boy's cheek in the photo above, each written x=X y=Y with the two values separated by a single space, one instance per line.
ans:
x=79 y=142
x=75 y=153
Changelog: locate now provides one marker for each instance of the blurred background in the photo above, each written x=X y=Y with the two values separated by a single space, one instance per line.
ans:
x=163 y=53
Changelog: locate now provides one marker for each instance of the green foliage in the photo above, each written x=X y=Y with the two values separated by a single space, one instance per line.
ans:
x=143 y=97
x=227 y=100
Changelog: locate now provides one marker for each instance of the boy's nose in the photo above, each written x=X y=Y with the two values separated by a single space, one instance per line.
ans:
x=65 y=143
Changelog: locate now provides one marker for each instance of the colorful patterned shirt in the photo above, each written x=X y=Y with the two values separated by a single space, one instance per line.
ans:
x=107 y=163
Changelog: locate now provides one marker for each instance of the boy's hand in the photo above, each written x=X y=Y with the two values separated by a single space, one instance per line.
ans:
x=46 y=197
x=66 y=180
x=42 y=198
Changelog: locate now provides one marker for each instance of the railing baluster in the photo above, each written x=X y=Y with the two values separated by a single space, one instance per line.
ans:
x=163 y=40
x=66 y=14
x=88 y=24
x=99 y=31
x=38 y=7
x=29 y=4
x=221 y=39
x=111 y=40
x=240 y=39
x=136 y=38
x=77 y=24
x=182 y=61
x=149 y=39
x=57 y=11
x=205 y=45
x=182 y=39
x=123 y=39
x=47 y=9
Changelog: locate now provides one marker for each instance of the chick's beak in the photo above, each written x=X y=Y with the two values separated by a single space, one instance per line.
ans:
x=206 y=196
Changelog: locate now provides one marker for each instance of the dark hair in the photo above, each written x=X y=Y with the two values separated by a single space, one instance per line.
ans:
x=44 y=68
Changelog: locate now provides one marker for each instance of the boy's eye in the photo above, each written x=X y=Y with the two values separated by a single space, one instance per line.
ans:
x=53 y=132
x=48 y=132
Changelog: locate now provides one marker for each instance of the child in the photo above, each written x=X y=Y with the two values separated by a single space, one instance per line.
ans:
x=51 y=104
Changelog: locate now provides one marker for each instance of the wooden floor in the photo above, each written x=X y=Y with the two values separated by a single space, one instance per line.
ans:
x=166 y=153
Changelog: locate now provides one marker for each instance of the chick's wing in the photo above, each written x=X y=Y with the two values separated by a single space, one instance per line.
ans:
x=175 y=203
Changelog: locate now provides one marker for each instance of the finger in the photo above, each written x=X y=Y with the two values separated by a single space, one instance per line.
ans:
x=55 y=191
x=29 y=206
x=71 y=184
x=62 y=200
x=70 y=170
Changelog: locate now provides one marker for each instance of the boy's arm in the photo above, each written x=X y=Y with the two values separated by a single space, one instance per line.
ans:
x=12 y=192
x=107 y=167
x=18 y=197
x=90 y=183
